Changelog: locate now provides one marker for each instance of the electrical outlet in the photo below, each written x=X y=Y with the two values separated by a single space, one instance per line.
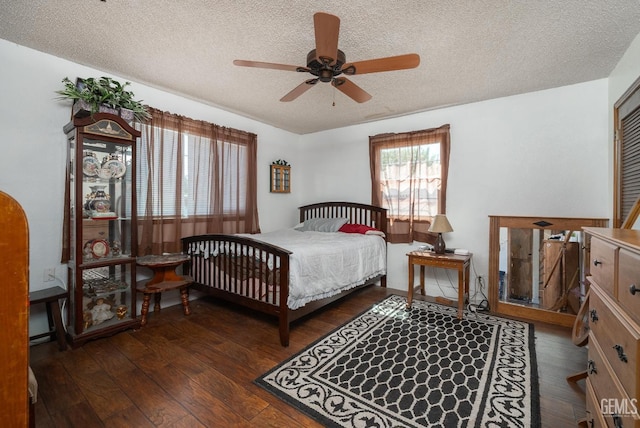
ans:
x=49 y=274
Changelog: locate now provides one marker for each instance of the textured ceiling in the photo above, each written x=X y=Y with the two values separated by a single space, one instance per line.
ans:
x=470 y=50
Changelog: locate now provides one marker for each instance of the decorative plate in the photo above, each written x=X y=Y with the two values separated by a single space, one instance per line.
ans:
x=105 y=172
x=99 y=248
x=117 y=168
x=90 y=166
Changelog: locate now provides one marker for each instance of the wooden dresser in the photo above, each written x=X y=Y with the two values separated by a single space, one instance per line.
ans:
x=613 y=382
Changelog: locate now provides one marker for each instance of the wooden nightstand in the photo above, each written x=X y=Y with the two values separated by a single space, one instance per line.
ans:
x=461 y=263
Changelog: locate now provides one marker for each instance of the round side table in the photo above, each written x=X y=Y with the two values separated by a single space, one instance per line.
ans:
x=164 y=279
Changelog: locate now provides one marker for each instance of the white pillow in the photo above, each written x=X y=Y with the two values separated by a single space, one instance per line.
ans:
x=322 y=224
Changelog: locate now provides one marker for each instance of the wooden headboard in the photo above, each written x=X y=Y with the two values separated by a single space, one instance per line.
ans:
x=356 y=213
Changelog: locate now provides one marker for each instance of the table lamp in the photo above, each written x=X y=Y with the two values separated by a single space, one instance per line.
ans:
x=440 y=225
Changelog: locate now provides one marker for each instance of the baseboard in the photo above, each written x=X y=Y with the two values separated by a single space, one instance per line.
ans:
x=444 y=301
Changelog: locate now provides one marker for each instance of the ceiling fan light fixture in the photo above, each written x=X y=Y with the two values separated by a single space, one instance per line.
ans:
x=325 y=75
x=320 y=63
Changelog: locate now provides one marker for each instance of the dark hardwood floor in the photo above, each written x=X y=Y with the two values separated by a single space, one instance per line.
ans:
x=198 y=370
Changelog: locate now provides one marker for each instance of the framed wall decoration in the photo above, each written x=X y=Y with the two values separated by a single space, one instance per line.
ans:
x=280 y=177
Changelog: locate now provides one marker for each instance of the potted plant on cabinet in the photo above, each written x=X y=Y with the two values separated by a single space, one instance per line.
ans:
x=103 y=94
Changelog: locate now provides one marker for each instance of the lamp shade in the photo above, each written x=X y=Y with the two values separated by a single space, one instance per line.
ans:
x=440 y=224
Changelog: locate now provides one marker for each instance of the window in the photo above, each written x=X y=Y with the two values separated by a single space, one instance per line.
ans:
x=409 y=176
x=193 y=177
x=180 y=175
x=405 y=170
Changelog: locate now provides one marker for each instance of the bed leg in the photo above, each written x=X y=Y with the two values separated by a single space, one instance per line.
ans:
x=284 y=330
x=383 y=281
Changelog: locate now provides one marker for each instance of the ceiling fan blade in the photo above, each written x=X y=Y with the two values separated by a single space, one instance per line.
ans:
x=350 y=89
x=273 y=66
x=391 y=63
x=327 y=30
x=299 y=90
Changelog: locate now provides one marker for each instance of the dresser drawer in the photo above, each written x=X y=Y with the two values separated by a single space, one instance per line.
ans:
x=595 y=418
x=607 y=404
x=603 y=263
x=619 y=340
x=629 y=276
x=601 y=375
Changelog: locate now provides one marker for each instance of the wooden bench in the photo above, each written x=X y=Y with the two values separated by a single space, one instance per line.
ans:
x=50 y=297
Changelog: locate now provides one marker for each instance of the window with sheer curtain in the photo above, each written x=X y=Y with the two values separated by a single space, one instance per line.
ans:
x=193 y=177
x=409 y=179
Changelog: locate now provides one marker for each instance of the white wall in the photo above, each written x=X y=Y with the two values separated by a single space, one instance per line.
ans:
x=33 y=151
x=537 y=154
x=626 y=72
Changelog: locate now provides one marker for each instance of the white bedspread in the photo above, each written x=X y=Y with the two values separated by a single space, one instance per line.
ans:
x=323 y=264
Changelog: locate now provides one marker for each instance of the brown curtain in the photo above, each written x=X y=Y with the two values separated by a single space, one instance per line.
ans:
x=412 y=223
x=217 y=193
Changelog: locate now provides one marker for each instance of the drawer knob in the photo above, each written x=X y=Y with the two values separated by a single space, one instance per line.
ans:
x=633 y=289
x=594 y=315
x=596 y=262
x=617 y=420
x=591 y=367
x=621 y=355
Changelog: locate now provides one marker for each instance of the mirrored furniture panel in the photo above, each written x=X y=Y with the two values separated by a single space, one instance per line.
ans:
x=538 y=266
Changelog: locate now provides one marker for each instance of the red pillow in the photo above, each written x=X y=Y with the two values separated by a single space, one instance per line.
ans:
x=355 y=228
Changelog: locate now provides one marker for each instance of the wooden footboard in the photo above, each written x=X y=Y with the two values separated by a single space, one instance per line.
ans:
x=240 y=269
x=255 y=274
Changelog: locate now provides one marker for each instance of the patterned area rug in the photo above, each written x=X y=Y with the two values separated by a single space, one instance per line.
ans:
x=392 y=367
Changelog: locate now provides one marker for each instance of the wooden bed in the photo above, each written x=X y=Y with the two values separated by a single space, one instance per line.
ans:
x=255 y=274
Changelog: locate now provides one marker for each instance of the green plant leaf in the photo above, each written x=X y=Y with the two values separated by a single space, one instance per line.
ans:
x=103 y=91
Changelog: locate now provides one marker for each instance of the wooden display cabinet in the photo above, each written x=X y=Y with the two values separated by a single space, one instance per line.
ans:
x=280 y=178
x=101 y=225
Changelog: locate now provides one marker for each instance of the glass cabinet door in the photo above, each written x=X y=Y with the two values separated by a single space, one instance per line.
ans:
x=101 y=226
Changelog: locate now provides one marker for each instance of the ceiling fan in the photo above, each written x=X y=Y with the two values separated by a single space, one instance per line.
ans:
x=327 y=63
